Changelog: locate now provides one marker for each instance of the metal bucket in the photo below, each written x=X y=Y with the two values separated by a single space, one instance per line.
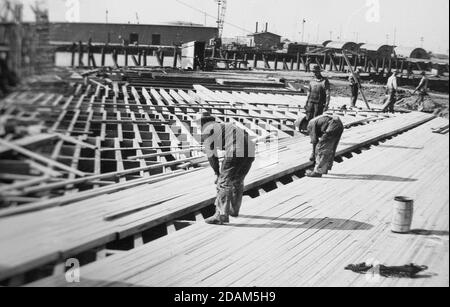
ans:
x=402 y=215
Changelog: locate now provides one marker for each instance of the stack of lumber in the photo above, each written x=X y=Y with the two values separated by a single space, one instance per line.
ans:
x=307 y=232
x=35 y=239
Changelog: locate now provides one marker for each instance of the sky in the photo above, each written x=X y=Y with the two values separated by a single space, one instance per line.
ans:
x=400 y=22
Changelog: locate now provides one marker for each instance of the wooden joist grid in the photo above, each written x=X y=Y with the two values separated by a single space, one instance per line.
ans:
x=102 y=129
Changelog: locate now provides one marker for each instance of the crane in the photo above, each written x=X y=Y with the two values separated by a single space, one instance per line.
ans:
x=221 y=12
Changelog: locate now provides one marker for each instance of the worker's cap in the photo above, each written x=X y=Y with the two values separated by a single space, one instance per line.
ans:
x=316 y=68
x=205 y=118
x=424 y=73
x=301 y=124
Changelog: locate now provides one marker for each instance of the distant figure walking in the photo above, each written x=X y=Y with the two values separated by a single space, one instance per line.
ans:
x=325 y=132
x=423 y=91
x=308 y=64
x=319 y=95
x=355 y=84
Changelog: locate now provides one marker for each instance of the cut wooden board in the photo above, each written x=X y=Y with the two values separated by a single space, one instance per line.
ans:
x=30 y=141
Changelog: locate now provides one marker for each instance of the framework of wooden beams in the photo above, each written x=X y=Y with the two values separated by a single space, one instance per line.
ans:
x=110 y=134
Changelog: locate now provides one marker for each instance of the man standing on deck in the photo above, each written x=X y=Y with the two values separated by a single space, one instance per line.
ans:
x=355 y=84
x=392 y=87
x=319 y=95
x=308 y=64
x=325 y=132
x=240 y=153
x=423 y=91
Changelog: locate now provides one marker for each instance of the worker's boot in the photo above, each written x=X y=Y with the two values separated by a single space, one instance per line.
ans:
x=217 y=219
x=312 y=174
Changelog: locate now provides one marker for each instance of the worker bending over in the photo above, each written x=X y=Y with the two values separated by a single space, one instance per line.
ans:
x=423 y=91
x=239 y=156
x=319 y=95
x=325 y=132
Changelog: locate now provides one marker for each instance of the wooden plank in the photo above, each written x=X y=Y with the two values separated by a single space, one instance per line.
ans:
x=30 y=142
x=40 y=158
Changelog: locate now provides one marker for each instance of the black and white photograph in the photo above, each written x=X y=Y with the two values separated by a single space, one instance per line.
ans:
x=224 y=150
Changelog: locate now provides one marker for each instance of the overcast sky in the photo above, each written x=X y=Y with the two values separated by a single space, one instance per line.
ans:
x=372 y=21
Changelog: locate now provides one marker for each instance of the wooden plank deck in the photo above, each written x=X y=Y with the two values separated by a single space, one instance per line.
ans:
x=35 y=239
x=305 y=233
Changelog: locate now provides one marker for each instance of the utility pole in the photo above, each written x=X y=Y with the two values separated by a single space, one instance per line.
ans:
x=318 y=33
x=107 y=16
x=303 y=30
x=331 y=35
x=395 y=36
x=422 y=39
x=387 y=39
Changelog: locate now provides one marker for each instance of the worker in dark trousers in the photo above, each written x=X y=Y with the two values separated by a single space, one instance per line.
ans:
x=240 y=153
x=308 y=64
x=355 y=83
x=319 y=95
x=325 y=132
x=423 y=91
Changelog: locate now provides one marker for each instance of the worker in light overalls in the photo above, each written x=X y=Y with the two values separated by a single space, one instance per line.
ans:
x=240 y=153
x=325 y=132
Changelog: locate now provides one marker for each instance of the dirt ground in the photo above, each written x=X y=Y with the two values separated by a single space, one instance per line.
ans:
x=436 y=103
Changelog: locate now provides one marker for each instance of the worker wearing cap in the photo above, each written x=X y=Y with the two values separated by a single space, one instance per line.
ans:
x=325 y=132
x=319 y=95
x=240 y=153
x=392 y=87
x=423 y=91
x=355 y=83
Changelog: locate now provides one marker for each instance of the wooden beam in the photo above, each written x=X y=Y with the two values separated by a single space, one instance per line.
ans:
x=356 y=78
x=40 y=158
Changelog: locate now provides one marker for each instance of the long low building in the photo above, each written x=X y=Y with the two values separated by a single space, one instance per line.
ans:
x=165 y=35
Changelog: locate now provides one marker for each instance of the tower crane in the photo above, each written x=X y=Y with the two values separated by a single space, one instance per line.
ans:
x=221 y=13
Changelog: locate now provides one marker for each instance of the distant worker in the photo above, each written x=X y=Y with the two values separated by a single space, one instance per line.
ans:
x=423 y=91
x=319 y=95
x=240 y=153
x=355 y=85
x=308 y=64
x=325 y=132
x=392 y=88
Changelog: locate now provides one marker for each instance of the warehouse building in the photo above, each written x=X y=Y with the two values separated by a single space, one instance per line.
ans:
x=163 y=35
